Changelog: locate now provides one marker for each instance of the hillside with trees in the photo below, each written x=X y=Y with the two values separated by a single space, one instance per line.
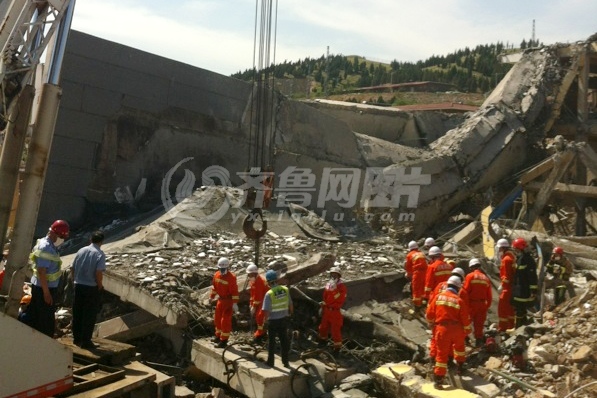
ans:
x=474 y=71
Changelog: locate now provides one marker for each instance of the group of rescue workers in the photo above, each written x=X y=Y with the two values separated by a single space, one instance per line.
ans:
x=456 y=300
x=271 y=302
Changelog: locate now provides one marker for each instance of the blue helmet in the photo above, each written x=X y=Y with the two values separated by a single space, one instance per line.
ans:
x=271 y=275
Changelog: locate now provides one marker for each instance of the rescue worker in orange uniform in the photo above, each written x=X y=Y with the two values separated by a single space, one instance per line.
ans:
x=334 y=295
x=258 y=287
x=224 y=292
x=448 y=314
x=438 y=271
x=478 y=289
x=416 y=269
x=507 y=271
x=524 y=286
x=458 y=272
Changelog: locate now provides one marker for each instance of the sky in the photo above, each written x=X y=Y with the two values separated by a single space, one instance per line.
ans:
x=218 y=35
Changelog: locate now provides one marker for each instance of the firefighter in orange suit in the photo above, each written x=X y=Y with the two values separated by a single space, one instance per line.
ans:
x=224 y=290
x=334 y=295
x=259 y=288
x=507 y=272
x=438 y=271
x=416 y=269
x=458 y=272
x=448 y=314
x=478 y=288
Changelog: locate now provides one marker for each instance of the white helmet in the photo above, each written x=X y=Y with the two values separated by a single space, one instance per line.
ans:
x=413 y=245
x=459 y=272
x=435 y=251
x=223 y=262
x=252 y=269
x=429 y=242
x=474 y=262
x=502 y=243
x=335 y=270
x=455 y=281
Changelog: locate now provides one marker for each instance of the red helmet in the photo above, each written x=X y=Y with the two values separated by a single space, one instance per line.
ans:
x=558 y=250
x=60 y=228
x=519 y=243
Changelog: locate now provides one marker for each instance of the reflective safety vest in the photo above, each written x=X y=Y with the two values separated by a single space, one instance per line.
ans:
x=55 y=258
x=280 y=298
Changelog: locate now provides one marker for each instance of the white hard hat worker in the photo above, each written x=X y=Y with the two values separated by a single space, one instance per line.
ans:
x=252 y=269
x=455 y=281
x=458 y=272
x=474 y=263
x=435 y=251
x=502 y=243
x=412 y=245
x=429 y=242
x=335 y=270
x=223 y=264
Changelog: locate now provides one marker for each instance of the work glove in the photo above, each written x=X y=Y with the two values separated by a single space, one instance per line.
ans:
x=500 y=288
x=253 y=310
x=235 y=308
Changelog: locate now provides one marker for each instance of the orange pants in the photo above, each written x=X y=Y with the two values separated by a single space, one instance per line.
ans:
x=417 y=287
x=331 y=320
x=505 y=311
x=432 y=344
x=449 y=339
x=259 y=320
x=223 y=319
x=478 y=310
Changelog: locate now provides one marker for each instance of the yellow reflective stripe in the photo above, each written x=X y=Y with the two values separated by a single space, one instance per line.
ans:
x=459 y=353
x=336 y=295
x=448 y=304
x=441 y=365
x=533 y=286
x=260 y=327
x=427 y=289
x=418 y=256
x=521 y=267
x=222 y=281
x=447 y=272
x=222 y=334
x=479 y=282
x=256 y=302
x=502 y=319
x=234 y=297
x=505 y=281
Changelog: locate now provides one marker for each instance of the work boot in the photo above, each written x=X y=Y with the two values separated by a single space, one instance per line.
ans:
x=215 y=339
x=460 y=368
x=438 y=382
x=258 y=340
x=222 y=344
x=336 y=353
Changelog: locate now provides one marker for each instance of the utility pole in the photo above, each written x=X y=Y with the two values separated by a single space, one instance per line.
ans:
x=533 y=35
x=327 y=72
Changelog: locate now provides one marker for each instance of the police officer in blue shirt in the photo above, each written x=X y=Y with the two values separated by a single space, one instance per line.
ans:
x=277 y=307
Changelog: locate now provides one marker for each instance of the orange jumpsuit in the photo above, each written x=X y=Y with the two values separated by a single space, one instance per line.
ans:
x=505 y=308
x=438 y=271
x=334 y=296
x=225 y=287
x=448 y=313
x=478 y=288
x=258 y=289
x=416 y=269
x=438 y=289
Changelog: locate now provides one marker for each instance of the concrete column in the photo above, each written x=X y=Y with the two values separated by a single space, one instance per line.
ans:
x=582 y=115
x=31 y=191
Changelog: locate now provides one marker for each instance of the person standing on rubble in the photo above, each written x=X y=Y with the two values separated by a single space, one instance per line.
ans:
x=448 y=315
x=478 y=289
x=507 y=271
x=524 y=287
x=224 y=294
x=428 y=244
x=416 y=269
x=459 y=273
x=277 y=308
x=87 y=274
x=258 y=287
x=437 y=271
x=560 y=267
x=334 y=296
x=46 y=264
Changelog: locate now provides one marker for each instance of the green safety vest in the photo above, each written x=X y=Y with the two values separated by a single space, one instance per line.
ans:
x=280 y=298
x=55 y=258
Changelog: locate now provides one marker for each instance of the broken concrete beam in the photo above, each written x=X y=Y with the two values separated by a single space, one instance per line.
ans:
x=246 y=372
x=162 y=387
x=129 y=326
x=400 y=380
x=465 y=236
x=479 y=385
